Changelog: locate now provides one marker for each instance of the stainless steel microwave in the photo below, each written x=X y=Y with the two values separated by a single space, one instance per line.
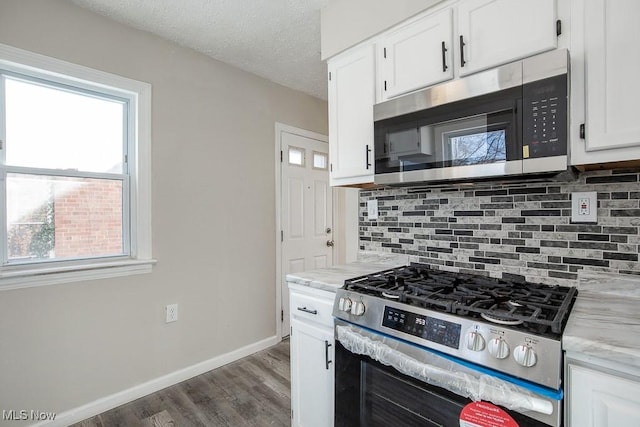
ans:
x=510 y=120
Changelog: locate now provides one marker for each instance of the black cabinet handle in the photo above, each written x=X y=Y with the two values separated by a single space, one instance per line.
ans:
x=444 y=58
x=367 y=158
x=306 y=310
x=462 y=45
x=326 y=354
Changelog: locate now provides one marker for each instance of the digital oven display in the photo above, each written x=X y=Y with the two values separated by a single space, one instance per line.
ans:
x=435 y=330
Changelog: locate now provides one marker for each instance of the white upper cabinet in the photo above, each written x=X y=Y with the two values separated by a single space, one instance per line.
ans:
x=605 y=89
x=416 y=55
x=351 y=99
x=494 y=32
x=466 y=37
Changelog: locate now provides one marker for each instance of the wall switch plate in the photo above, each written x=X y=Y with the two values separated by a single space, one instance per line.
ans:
x=372 y=209
x=584 y=207
x=172 y=312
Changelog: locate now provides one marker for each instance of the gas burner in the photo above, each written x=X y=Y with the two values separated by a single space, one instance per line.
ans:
x=500 y=320
x=390 y=296
x=502 y=312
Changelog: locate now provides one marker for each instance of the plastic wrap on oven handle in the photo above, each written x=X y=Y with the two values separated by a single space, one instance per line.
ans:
x=441 y=372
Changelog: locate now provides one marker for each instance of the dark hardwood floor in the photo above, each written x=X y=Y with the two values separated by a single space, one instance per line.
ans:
x=254 y=391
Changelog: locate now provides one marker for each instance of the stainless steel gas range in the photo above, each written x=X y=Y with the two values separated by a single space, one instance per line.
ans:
x=418 y=346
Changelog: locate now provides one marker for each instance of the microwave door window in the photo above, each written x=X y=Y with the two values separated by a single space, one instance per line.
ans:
x=424 y=144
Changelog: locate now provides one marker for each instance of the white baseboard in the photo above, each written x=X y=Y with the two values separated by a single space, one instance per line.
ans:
x=109 y=402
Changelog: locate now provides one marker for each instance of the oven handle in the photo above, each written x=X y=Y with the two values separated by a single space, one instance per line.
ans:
x=448 y=374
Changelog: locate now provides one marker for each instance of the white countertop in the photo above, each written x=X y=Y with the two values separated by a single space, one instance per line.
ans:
x=605 y=320
x=332 y=278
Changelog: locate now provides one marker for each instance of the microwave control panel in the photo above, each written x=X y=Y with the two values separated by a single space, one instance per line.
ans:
x=544 y=117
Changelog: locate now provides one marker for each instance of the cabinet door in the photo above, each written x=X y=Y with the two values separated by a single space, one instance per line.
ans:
x=611 y=69
x=597 y=399
x=494 y=32
x=417 y=55
x=312 y=375
x=351 y=99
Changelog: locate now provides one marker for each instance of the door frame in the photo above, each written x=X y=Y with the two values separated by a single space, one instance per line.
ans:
x=280 y=128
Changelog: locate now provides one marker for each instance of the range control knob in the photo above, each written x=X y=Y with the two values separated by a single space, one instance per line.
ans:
x=498 y=348
x=344 y=304
x=475 y=341
x=357 y=309
x=525 y=356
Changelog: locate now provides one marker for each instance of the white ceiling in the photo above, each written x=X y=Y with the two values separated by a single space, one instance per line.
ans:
x=275 y=39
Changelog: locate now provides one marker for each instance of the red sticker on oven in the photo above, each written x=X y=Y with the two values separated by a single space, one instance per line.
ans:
x=485 y=414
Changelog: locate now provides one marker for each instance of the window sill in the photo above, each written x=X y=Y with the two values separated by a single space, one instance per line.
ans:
x=29 y=276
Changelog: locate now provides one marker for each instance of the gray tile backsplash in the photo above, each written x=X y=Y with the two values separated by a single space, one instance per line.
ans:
x=510 y=230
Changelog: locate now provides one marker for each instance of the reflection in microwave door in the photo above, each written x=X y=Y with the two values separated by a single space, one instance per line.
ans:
x=467 y=141
x=408 y=146
x=474 y=146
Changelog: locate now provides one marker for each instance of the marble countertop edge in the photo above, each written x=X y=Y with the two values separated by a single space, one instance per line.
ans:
x=605 y=320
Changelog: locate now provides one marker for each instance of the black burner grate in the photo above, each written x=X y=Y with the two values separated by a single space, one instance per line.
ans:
x=534 y=307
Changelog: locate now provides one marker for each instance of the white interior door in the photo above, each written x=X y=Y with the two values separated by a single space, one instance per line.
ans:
x=306 y=210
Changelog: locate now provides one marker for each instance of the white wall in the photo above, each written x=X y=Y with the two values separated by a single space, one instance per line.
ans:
x=345 y=224
x=213 y=221
x=351 y=233
x=345 y=23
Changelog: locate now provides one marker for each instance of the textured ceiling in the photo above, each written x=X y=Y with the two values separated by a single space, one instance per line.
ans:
x=275 y=39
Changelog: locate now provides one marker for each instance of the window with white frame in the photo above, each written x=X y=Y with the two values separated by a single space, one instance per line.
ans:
x=74 y=164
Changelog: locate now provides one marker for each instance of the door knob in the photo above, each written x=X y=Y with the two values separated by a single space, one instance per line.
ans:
x=330 y=243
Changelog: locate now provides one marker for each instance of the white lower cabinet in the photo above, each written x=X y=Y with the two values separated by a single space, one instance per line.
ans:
x=599 y=397
x=312 y=350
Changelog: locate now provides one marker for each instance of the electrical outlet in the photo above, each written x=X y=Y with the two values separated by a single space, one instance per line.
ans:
x=172 y=312
x=584 y=207
x=372 y=209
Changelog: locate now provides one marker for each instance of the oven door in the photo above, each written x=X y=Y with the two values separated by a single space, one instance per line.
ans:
x=382 y=381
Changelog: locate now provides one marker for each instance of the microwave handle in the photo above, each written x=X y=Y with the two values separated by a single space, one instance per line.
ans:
x=517 y=122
